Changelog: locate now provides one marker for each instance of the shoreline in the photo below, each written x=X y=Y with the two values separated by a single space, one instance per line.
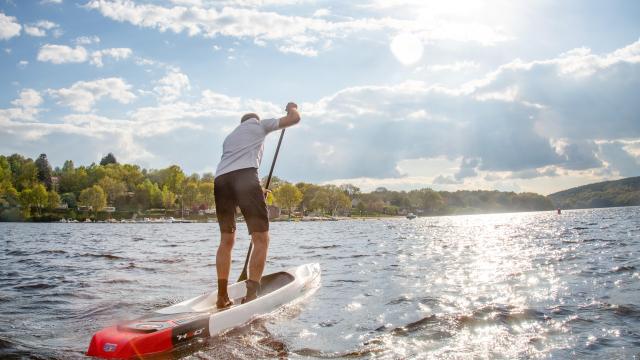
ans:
x=171 y=220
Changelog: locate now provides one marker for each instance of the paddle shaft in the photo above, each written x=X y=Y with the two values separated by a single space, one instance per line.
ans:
x=243 y=275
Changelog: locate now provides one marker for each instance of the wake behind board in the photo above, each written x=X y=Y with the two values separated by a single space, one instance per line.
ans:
x=176 y=325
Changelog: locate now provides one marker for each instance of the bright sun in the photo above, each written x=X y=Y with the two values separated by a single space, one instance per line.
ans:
x=407 y=48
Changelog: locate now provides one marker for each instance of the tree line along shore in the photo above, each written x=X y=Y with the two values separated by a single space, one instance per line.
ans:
x=31 y=190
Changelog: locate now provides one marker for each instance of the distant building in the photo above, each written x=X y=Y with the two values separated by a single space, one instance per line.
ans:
x=85 y=208
x=109 y=209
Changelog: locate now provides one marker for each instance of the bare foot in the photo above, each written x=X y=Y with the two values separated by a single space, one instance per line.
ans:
x=223 y=302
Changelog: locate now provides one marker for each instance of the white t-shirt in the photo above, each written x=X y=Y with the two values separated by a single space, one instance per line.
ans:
x=243 y=148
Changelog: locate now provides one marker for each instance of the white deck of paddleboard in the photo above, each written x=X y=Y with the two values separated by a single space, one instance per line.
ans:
x=305 y=277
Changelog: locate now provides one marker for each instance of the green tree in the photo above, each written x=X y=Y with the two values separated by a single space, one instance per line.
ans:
x=148 y=195
x=191 y=192
x=168 y=198
x=131 y=175
x=309 y=192
x=288 y=197
x=24 y=172
x=350 y=190
x=68 y=166
x=95 y=197
x=108 y=159
x=375 y=205
x=8 y=194
x=431 y=201
x=206 y=189
x=320 y=200
x=69 y=199
x=44 y=170
x=337 y=199
x=26 y=201
x=207 y=177
x=40 y=197
x=53 y=200
x=113 y=188
x=5 y=170
x=175 y=179
x=73 y=180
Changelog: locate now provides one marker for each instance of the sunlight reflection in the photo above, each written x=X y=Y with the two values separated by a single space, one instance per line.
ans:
x=491 y=291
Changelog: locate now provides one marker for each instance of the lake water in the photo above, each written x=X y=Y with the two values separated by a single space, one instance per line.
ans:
x=526 y=285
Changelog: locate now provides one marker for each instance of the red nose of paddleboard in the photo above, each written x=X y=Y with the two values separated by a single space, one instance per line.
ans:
x=148 y=336
x=113 y=342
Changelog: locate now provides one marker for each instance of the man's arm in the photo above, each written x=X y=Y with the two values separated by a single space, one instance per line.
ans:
x=292 y=118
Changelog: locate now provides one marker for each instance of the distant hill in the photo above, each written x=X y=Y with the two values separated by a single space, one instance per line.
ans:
x=624 y=192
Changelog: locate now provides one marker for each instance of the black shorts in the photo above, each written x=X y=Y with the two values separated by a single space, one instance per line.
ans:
x=240 y=188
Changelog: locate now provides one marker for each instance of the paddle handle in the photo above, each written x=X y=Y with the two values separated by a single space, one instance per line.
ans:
x=243 y=275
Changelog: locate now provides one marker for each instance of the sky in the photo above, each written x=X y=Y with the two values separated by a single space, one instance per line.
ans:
x=464 y=94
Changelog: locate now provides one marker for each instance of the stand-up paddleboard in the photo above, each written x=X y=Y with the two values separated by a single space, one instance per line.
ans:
x=170 y=327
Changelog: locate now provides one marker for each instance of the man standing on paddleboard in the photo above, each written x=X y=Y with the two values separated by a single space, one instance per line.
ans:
x=237 y=184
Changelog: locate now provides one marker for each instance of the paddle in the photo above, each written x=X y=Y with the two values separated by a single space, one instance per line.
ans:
x=243 y=275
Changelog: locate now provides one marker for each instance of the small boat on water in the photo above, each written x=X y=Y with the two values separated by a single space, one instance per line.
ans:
x=177 y=325
x=411 y=216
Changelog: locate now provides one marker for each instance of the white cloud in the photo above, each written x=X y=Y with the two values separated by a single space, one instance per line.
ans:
x=321 y=13
x=115 y=53
x=87 y=40
x=26 y=107
x=29 y=98
x=82 y=95
x=47 y=25
x=172 y=86
x=292 y=34
x=484 y=133
x=512 y=120
x=23 y=64
x=39 y=29
x=454 y=67
x=9 y=27
x=34 y=31
x=300 y=50
x=61 y=54
x=187 y=2
x=51 y=2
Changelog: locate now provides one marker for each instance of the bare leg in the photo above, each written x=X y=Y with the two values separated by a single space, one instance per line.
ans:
x=258 y=257
x=223 y=267
x=223 y=256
